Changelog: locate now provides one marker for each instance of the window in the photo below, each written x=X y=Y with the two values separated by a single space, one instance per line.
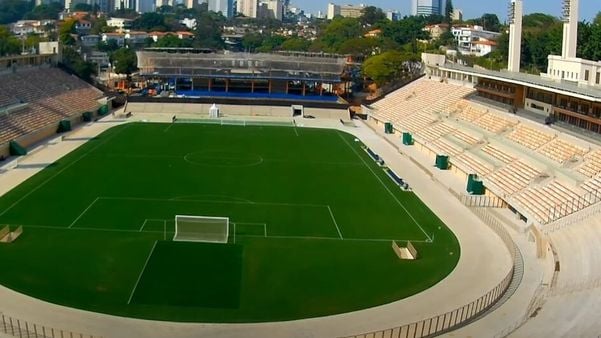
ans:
x=586 y=75
x=598 y=77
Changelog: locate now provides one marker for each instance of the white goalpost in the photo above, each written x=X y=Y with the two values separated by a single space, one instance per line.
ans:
x=201 y=229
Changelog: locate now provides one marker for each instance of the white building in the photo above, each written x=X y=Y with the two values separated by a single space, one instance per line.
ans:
x=568 y=67
x=190 y=23
x=457 y=15
x=427 y=7
x=119 y=38
x=346 y=11
x=275 y=9
x=161 y=3
x=119 y=23
x=248 y=8
x=393 y=15
x=474 y=40
x=225 y=7
x=24 y=27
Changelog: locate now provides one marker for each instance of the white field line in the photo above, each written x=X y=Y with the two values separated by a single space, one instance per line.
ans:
x=60 y=171
x=211 y=201
x=385 y=186
x=264 y=225
x=168 y=127
x=251 y=236
x=142 y=272
x=143 y=224
x=151 y=220
x=335 y=223
x=83 y=212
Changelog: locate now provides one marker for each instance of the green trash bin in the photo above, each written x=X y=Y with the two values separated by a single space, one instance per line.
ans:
x=442 y=162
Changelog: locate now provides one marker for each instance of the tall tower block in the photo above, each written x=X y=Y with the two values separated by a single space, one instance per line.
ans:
x=516 y=11
x=570 y=28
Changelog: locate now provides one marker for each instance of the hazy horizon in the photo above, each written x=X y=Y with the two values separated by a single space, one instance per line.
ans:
x=470 y=8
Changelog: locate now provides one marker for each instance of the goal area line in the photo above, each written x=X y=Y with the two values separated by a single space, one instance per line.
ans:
x=136 y=231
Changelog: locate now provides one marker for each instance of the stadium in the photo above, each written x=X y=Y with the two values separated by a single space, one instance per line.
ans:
x=254 y=203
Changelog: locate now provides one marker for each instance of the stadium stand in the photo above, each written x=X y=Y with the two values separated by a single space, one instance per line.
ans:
x=592 y=164
x=28 y=104
x=548 y=203
x=444 y=121
x=514 y=177
x=561 y=151
x=530 y=137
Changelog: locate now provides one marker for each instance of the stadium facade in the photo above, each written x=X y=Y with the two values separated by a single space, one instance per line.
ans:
x=570 y=90
x=194 y=73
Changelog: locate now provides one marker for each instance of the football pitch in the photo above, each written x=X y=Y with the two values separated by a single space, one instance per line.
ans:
x=312 y=219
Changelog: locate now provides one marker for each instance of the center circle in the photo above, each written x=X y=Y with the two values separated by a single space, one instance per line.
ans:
x=223 y=158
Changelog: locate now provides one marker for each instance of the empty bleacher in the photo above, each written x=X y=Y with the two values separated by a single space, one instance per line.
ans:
x=466 y=112
x=33 y=98
x=514 y=177
x=529 y=137
x=472 y=164
x=498 y=154
x=493 y=123
x=442 y=120
x=560 y=151
x=423 y=95
x=549 y=202
x=592 y=164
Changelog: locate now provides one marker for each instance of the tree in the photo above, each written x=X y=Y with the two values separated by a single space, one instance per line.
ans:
x=82 y=7
x=66 y=31
x=13 y=10
x=448 y=13
x=109 y=46
x=124 y=61
x=252 y=41
x=371 y=15
x=73 y=60
x=150 y=22
x=296 y=44
x=171 y=40
x=359 y=46
x=100 y=26
x=591 y=46
x=271 y=43
x=490 y=22
x=406 y=31
x=389 y=66
x=338 y=31
x=9 y=44
x=41 y=12
x=207 y=33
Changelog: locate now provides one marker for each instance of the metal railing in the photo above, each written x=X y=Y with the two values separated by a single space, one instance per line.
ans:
x=24 y=329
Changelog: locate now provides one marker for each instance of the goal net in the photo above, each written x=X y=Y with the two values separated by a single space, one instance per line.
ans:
x=201 y=229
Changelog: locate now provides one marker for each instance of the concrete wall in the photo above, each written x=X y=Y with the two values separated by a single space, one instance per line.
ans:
x=233 y=110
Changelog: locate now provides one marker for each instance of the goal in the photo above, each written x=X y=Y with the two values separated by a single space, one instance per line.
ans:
x=201 y=229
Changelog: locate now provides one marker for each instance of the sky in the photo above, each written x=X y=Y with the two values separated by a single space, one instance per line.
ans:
x=471 y=8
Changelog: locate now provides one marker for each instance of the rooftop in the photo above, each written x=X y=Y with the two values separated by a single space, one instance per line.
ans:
x=536 y=81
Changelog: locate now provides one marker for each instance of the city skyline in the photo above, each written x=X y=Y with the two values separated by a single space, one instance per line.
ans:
x=470 y=8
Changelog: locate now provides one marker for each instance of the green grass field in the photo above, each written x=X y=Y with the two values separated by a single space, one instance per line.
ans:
x=311 y=223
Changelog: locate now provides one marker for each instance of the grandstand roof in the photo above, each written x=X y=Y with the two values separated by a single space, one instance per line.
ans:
x=258 y=66
x=530 y=80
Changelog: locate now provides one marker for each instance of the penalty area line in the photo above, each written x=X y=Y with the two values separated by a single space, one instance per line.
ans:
x=141 y=273
x=334 y=220
x=83 y=212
